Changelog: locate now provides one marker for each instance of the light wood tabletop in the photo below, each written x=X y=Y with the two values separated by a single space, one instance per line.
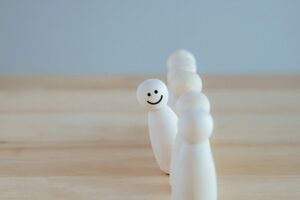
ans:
x=85 y=137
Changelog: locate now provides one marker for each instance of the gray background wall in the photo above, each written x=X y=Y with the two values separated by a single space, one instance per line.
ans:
x=135 y=36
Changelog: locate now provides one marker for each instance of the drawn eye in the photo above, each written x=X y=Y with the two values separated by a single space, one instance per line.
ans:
x=155 y=91
x=149 y=94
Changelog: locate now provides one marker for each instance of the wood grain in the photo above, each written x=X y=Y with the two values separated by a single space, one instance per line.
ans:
x=80 y=137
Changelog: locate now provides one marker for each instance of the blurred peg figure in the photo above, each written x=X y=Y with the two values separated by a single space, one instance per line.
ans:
x=194 y=176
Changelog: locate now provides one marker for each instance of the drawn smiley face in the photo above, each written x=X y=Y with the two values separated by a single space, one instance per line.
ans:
x=157 y=102
x=152 y=94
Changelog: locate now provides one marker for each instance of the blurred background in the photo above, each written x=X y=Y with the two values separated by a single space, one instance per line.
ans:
x=72 y=129
x=135 y=37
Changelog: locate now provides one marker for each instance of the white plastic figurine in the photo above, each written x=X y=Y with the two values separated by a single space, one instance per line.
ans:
x=194 y=172
x=179 y=60
x=182 y=82
x=191 y=99
x=162 y=121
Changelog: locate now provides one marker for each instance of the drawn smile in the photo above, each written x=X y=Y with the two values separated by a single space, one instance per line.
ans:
x=154 y=103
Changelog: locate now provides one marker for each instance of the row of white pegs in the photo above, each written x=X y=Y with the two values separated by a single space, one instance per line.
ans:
x=180 y=125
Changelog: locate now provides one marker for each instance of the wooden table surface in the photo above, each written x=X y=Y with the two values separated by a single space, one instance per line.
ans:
x=85 y=137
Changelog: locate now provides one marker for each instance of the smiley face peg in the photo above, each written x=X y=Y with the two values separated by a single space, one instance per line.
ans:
x=152 y=94
x=162 y=121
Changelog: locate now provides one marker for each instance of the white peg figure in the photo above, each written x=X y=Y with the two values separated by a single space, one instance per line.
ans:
x=194 y=172
x=180 y=60
x=182 y=82
x=162 y=121
x=191 y=99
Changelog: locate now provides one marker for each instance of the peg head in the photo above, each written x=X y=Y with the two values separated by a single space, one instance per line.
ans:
x=192 y=99
x=181 y=58
x=152 y=94
x=184 y=81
